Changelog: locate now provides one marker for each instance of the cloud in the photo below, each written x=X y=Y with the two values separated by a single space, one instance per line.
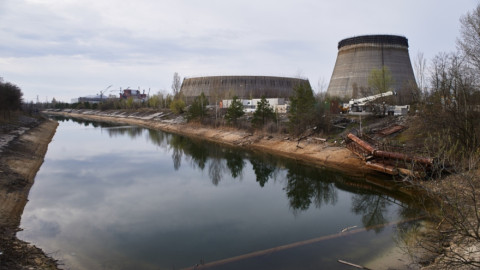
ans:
x=67 y=48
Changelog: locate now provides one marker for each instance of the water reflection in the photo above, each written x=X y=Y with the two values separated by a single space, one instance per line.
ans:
x=308 y=184
x=304 y=186
x=235 y=163
x=263 y=167
x=372 y=209
x=132 y=132
x=169 y=200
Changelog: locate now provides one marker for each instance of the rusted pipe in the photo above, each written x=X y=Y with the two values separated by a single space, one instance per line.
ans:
x=389 y=155
x=400 y=156
x=382 y=168
x=366 y=146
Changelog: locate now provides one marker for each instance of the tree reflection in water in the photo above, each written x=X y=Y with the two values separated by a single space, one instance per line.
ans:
x=372 y=207
x=304 y=185
x=215 y=169
x=235 y=163
x=307 y=184
x=177 y=145
x=263 y=168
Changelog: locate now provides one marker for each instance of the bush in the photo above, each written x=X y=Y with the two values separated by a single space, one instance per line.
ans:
x=177 y=106
x=198 y=109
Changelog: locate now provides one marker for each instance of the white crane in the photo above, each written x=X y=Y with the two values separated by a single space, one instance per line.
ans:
x=101 y=92
x=363 y=101
x=359 y=105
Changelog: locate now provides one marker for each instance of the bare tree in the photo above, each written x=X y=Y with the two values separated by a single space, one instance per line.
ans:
x=176 y=84
x=469 y=41
x=380 y=80
x=322 y=85
x=453 y=100
x=453 y=119
x=453 y=210
x=420 y=67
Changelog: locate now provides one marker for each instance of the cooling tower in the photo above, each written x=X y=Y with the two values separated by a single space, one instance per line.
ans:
x=356 y=58
x=216 y=88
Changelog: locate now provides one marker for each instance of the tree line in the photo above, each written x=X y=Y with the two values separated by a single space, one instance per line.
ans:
x=10 y=98
x=449 y=112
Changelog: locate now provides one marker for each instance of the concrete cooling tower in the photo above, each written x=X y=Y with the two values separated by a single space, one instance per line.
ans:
x=216 y=88
x=356 y=58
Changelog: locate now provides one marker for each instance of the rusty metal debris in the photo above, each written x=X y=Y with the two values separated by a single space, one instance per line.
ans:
x=390 y=130
x=382 y=167
x=392 y=163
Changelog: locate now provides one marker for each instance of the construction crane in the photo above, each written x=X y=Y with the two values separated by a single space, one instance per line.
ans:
x=357 y=105
x=363 y=101
x=101 y=92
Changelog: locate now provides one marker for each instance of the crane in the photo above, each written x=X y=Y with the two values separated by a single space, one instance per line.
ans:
x=101 y=92
x=363 y=101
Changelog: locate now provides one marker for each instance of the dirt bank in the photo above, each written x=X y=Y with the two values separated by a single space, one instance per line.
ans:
x=310 y=150
x=22 y=154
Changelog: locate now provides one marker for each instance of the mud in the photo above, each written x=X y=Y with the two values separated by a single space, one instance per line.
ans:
x=22 y=153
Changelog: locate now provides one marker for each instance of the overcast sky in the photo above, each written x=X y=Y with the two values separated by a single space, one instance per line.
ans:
x=69 y=48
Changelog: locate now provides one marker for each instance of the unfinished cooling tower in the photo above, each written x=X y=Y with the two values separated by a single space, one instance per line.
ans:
x=358 y=56
x=216 y=88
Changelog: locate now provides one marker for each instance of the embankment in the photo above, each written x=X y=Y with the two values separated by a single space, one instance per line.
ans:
x=307 y=150
x=19 y=162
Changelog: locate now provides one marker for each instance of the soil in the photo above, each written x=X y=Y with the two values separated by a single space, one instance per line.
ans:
x=23 y=145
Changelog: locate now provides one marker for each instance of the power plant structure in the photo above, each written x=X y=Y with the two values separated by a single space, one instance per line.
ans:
x=216 y=88
x=358 y=56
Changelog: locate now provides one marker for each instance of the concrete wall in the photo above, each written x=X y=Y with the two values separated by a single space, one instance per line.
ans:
x=355 y=61
x=217 y=88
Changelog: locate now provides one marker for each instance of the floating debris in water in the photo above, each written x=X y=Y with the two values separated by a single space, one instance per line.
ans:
x=349 y=228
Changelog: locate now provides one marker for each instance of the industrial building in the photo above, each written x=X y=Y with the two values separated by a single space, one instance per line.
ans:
x=250 y=105
x=91 y=99
x=217 y=88
x=134 y=94
x=358 y=56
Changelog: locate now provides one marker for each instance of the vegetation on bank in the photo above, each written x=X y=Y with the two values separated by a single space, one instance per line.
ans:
x=10 y=99
x=445 y=124
x=449 y=125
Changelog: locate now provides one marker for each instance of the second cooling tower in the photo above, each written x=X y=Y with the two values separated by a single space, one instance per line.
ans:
x=358 y=56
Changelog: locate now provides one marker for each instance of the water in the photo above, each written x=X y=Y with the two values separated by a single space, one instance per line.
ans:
x=123 y=197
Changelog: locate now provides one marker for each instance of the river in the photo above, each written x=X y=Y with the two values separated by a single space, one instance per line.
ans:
x=125 y=197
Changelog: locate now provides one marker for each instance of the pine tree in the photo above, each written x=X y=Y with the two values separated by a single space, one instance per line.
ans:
x=302 y=108
x=263 y=113
x=234 y=111
x=198 y=109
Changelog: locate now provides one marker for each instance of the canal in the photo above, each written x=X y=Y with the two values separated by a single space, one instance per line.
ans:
x=124 y=197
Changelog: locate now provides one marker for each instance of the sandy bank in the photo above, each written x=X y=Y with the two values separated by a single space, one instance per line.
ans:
x=308 y=150
x=19 y=163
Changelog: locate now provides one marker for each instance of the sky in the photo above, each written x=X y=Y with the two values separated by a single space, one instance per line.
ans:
x=65 y=49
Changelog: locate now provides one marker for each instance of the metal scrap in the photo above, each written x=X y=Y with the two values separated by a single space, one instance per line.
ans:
x=383 y=161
